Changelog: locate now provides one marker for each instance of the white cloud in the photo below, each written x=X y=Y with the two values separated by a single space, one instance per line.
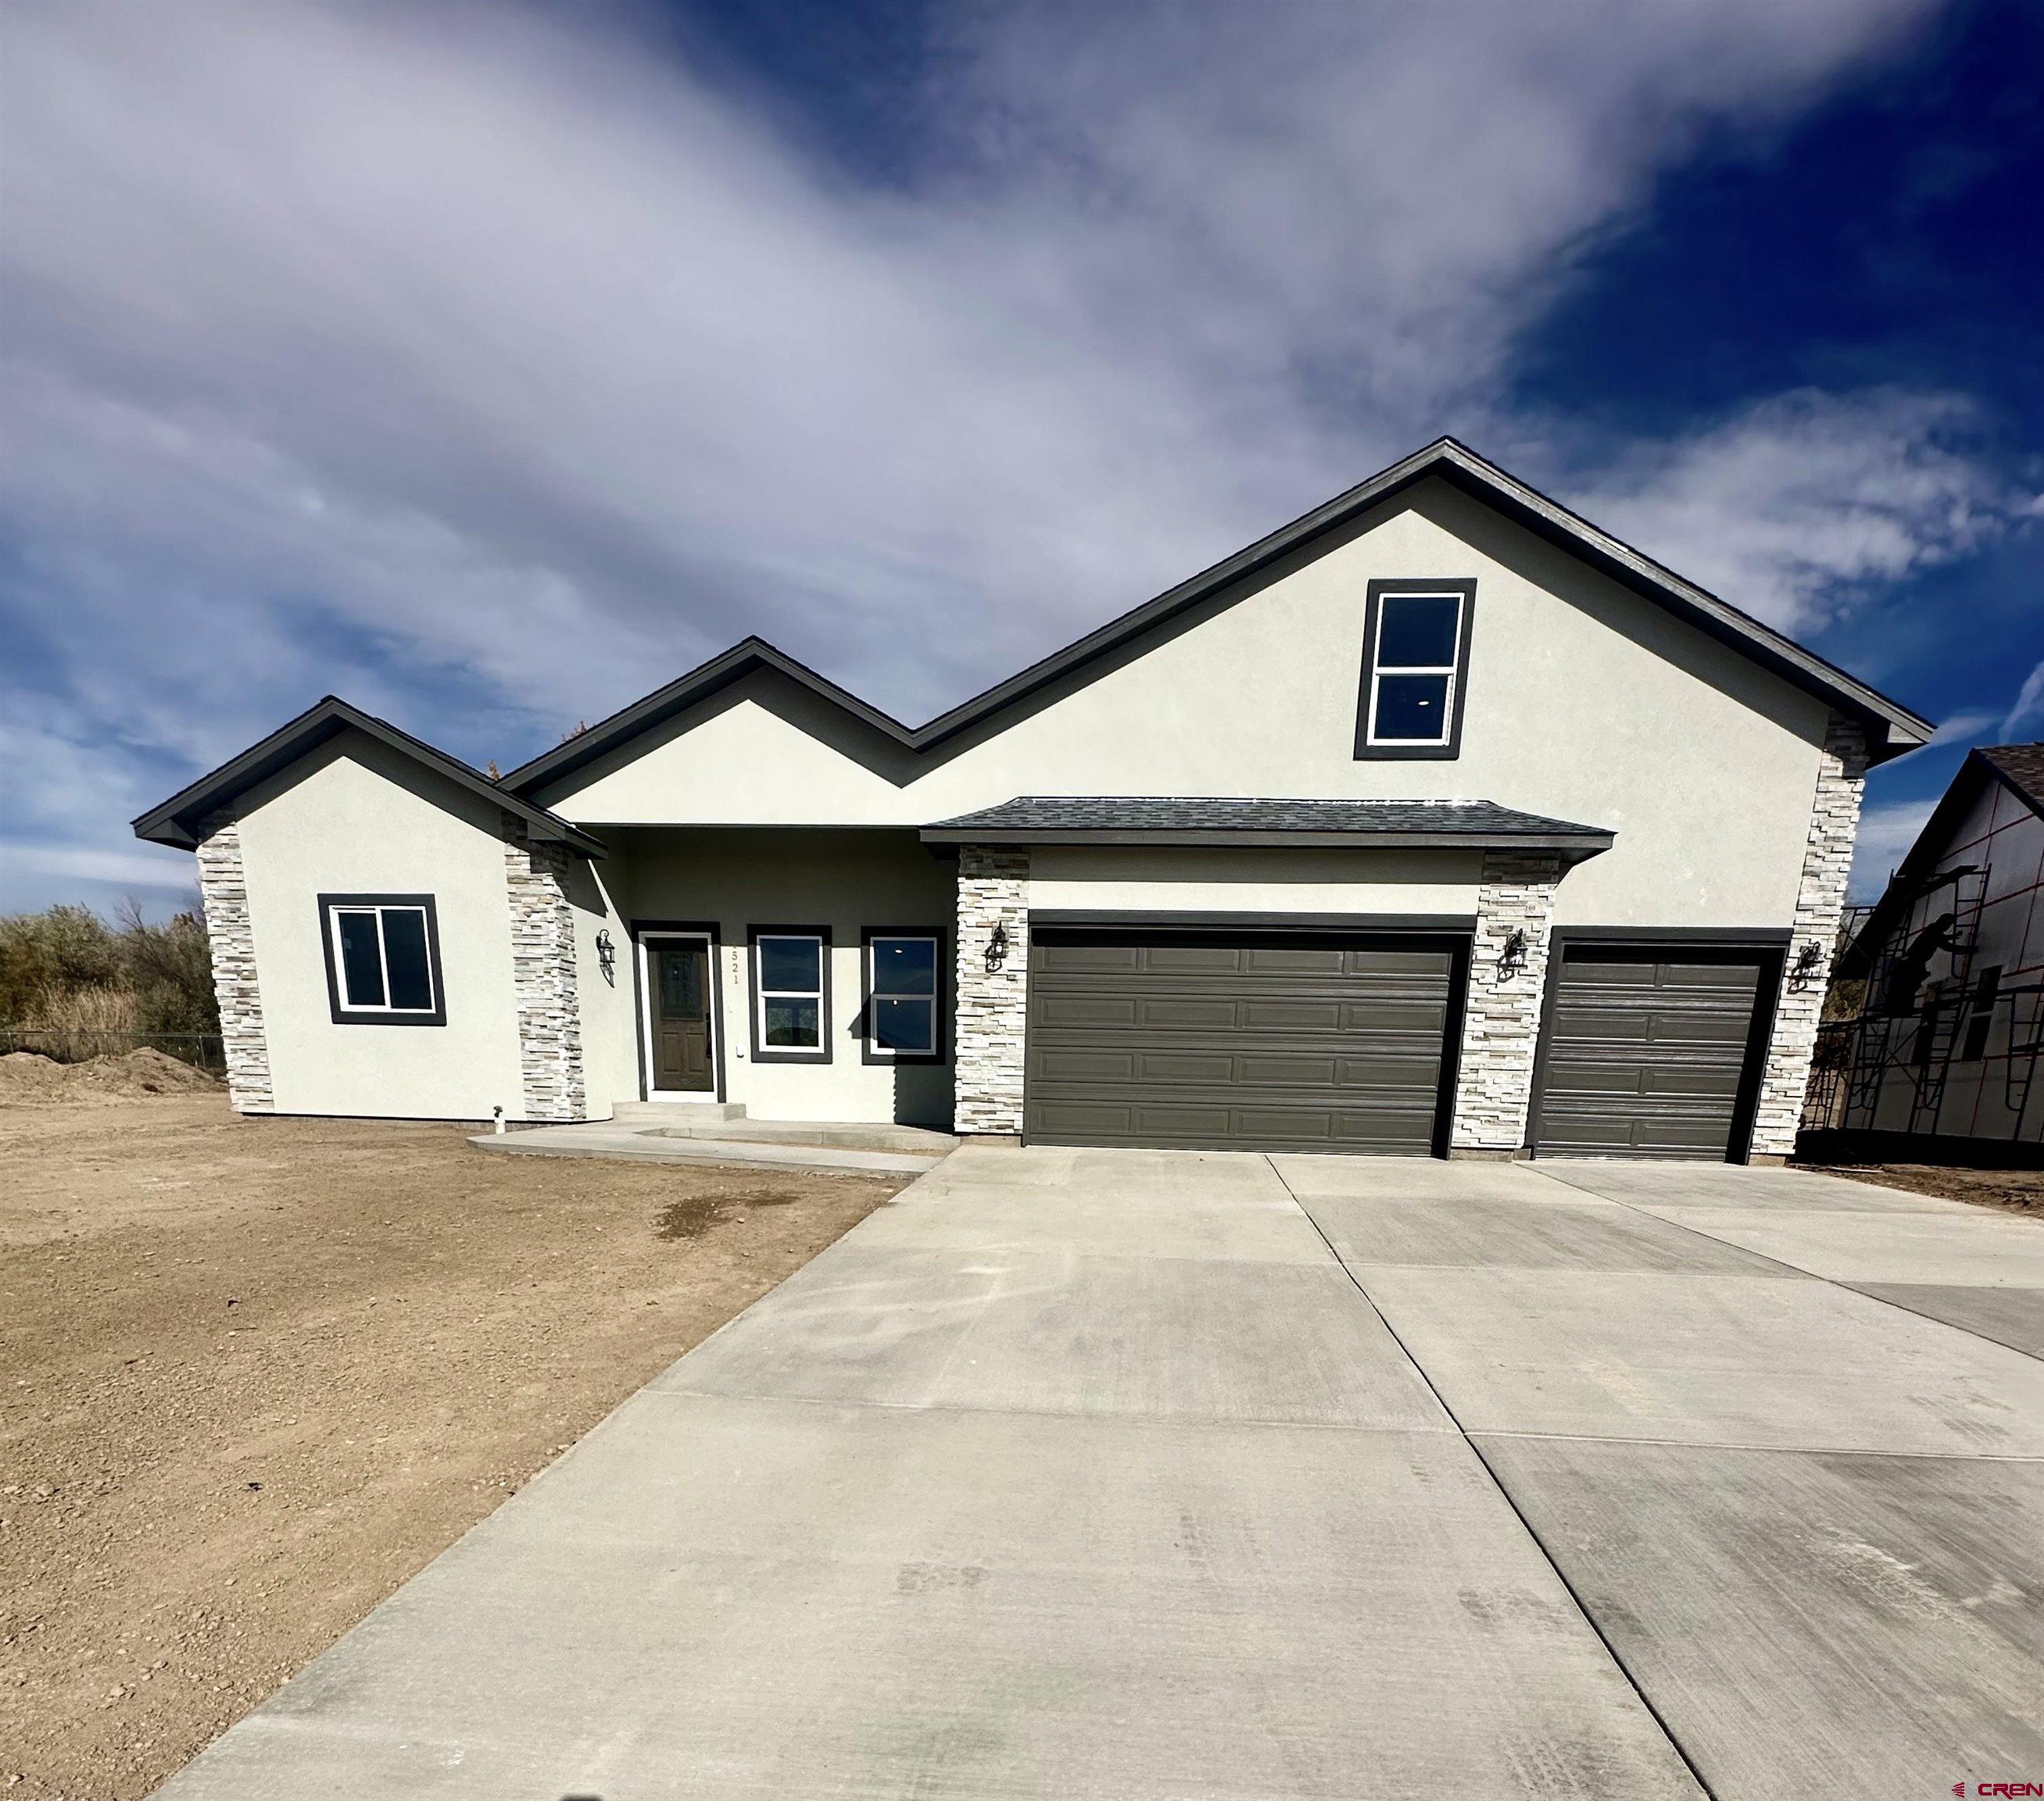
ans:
x=468 y=352
x=1886 y=831
x=2028 y=711
x=1802 y=504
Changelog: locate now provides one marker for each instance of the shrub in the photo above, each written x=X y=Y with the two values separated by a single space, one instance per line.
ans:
x=66 y=970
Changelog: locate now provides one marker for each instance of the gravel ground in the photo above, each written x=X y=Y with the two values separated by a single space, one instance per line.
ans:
x=258 y=1373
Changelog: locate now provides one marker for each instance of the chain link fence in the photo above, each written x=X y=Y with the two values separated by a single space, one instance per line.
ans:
x=79 y=1044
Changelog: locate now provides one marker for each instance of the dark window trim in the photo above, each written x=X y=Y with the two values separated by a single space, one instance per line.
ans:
x=1365 y=750
x=941 y=1039
x=345 y=1016
x=825 y=1051
x=680 y=928
x=1766 y=945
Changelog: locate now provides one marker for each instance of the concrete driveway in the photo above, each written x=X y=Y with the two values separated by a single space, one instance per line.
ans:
x=1152 y=1474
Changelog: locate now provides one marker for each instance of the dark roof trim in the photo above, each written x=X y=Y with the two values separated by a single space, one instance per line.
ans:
x=700 y=684
x=1464 y=825
x=1576 y=845
x=177 y=821
x=1983 y=763
x=1895 y=729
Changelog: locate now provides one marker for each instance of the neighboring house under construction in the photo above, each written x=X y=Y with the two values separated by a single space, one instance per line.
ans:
x=1941 y=990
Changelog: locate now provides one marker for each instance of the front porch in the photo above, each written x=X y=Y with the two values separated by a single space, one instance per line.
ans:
x=710 y=1133
x=793 y=976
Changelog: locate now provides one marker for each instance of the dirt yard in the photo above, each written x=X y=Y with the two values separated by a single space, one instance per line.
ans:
x=257 y=1373
x=2014 y=1191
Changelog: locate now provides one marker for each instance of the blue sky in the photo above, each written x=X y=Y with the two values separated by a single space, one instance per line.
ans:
x=489 y=366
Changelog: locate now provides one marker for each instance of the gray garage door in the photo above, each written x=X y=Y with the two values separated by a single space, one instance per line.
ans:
x=1649 y=1053
x=1240 y=1041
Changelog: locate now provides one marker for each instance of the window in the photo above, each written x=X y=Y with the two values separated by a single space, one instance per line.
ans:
x=904 y=991
x=383 y=959
x=1415 y=668
x=791 y=994
x=1986 y=991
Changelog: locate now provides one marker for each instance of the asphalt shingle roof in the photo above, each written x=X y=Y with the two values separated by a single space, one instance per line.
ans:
x=2022 y=766
x=1474 y=823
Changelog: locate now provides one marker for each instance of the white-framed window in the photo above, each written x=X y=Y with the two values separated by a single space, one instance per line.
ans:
x=790 y=993
x=1416 y=664
x=903 y=996
x=383 y=959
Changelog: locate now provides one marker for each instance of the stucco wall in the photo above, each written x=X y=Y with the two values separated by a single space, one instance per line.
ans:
x=848 y=881
x=1173 y=880
x=352 y=819
x=1585 y=702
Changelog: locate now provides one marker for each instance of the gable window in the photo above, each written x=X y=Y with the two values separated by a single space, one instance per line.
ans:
x=1415 y=668
x=903 y=991
x=791 y=994
x=383 y=959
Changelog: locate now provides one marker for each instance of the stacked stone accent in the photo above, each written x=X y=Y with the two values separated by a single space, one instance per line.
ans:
x=1820 y=899
x=231 y=940
x=992 y=1004
x=1501 y=1022
x=543 y=964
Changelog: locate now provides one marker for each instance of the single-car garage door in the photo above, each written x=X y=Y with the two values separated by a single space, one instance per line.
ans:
x=1650 y=1052
x=1237 y=1040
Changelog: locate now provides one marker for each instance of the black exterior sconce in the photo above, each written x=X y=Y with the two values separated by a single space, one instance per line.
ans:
x=997 y=947
x=1802 y=976
x=606 y=958
x=1512 y=959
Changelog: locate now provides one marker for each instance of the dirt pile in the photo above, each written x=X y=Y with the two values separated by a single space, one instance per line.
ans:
x=28 y=1078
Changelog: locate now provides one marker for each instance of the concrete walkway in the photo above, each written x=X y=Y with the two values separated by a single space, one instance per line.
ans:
x=1129 y=1474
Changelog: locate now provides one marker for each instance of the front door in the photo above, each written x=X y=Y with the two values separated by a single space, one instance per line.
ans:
x=681 y=1017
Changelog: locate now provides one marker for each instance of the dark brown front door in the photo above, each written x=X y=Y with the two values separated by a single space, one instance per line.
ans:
x=681 y=1017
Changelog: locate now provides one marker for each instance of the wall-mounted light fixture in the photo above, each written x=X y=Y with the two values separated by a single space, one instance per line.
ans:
x=606 y=958
x=1512 y=959
x=997 y=947
x=1803 y=975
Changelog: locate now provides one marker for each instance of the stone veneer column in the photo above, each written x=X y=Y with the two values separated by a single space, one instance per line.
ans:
x=1820 y=899
x=543 y=964
x=992 y=1004
x=231 y=941
x=1501 y=1018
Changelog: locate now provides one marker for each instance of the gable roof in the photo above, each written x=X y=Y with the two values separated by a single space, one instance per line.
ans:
x=177 y=821
x=1434 y=825
x=2019 y=768
x=1892 y=728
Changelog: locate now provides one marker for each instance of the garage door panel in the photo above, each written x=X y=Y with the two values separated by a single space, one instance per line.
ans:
x=1237 y=1042
x=1066 y=1007
x=1646 y=1055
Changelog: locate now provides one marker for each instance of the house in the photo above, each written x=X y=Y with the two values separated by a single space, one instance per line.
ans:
x=1437 y=821
x=1941 y=991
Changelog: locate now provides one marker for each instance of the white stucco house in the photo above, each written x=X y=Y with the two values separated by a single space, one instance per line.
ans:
x=1437 y=821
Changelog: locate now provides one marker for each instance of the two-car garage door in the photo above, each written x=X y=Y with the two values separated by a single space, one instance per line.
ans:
x=1244 y=1041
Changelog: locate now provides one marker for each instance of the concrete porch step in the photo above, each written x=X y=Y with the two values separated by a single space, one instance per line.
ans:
x=846 y=1134
x=635 y=1143
x=675 y=1112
